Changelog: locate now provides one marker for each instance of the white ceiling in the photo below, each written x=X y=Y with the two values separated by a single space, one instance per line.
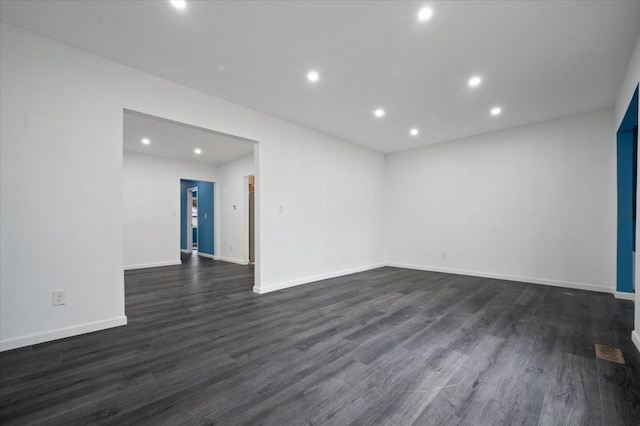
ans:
x=539 y=59
x=178 y=141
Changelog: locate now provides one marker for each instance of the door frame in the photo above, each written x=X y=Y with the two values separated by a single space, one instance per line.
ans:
x=189 y=215
x=209 y=123
x=245 y=219
x=626 y=140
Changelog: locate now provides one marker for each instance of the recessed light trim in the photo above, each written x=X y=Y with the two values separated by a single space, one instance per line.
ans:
x=313 y=76
x=475 y=81
x=380 y=112
x=197 y=151
x=414 y=132
x=145 y=141
x=496 y=111
x=179 y=4
x=425 y=14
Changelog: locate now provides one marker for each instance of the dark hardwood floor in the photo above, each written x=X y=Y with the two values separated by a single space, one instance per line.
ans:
x=389 y=346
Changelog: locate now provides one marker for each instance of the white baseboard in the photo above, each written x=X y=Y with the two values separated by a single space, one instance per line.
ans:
x=624 y=295
x=232 y=260
x=279 y=286
x=153 y=265
x=532 y=280
x=185 y=251
x=517 y=278
x=210 y=256
x=61 y=333
x=635 y=338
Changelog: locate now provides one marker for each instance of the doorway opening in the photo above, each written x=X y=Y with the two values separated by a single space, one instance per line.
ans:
x=250 y=218
x=197 y=224
x=627 y=159
x=178 y=177
x=192 y=220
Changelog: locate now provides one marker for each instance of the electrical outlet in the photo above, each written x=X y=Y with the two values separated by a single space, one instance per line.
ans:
x=59 y=297
x=377 y=252
x=231 y=248
x=443 y=254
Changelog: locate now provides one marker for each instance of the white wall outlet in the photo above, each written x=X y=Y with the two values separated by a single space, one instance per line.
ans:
x=280 y=208
x=231 y=248
x=377 y=252
x=443 y=254
x=205 y=215
x=59 y=297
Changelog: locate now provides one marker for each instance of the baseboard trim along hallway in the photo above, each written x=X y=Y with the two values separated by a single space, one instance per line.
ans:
x=61 y=333
x=635 y=338
x=230 y=259
x=623 y=295
x=307 y=280
x=531 y=280
x=152 y=265
x=505 y=277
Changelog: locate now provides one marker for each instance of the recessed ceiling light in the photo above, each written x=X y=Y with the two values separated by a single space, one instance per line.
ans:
x=146 y=141
x=313 y=76
x=379 y=112
x=197 y=151
x=414 y=132
x=425 y=14
x=179 y=4
x=475 y=81
x=496 y=111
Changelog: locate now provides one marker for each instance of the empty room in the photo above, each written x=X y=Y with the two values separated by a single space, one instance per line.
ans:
x=319 y=212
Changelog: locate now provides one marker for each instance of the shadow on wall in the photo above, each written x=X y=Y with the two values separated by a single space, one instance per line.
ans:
x=205 y=233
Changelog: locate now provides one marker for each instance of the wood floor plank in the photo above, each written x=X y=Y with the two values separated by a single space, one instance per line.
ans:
x=573 y=394
x=620 y=393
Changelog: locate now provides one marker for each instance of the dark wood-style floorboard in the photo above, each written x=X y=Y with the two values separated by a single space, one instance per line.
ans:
x=387 y=346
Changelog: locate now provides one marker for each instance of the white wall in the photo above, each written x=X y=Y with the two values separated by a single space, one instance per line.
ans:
x=628 y=86
x=151 y=198
x=62 y=114
x=61 y=196
x=533 y=204
x=631 y=81
x=332 y=222
x=232 y=193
